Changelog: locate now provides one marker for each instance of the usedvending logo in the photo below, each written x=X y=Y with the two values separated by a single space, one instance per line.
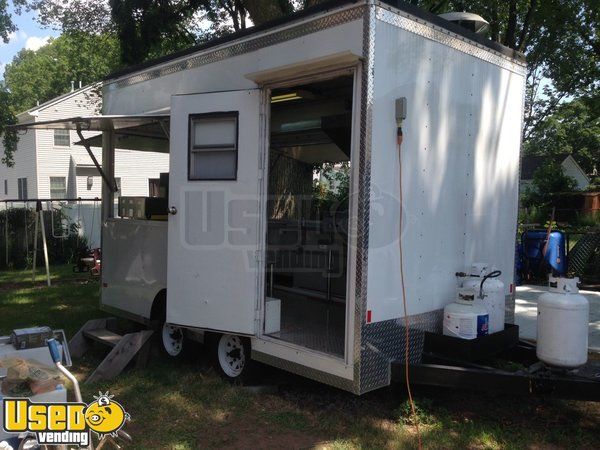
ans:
x=64 y=423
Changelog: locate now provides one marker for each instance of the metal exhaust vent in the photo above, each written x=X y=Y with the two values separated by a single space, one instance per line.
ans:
x=467 y=20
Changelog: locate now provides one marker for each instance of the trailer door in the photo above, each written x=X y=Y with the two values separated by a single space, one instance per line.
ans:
x=214 y=197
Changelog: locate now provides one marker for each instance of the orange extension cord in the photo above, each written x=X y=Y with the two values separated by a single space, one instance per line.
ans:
x=407 y=336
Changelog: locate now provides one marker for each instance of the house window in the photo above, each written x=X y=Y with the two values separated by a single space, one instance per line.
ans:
x=118 y=183
x=58 y=187
x=213 y=146
x=62 y=138
x=154 y=187
x=5 y=187
x=22 y=188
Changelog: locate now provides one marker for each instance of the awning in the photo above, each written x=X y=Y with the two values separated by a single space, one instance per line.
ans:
x=143 y=132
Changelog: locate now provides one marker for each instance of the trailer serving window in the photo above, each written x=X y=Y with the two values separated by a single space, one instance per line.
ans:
x=213 y=146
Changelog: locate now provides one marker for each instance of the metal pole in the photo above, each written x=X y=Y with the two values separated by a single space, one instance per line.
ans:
x=35 y=235
x=26 y=236
x=6 y=234
x=43 y=227
x=108 y=166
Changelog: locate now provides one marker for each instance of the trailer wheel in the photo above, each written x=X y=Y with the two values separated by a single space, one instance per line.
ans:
x=172 y=338
x=231 y=356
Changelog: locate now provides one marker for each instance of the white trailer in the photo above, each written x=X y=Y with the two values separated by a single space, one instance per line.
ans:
x=282 y=242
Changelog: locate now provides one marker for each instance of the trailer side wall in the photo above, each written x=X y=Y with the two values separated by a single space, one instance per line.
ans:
x=460 y=166
x=459 y=163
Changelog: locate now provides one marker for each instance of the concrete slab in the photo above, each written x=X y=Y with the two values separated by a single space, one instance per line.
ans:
x=526 y=313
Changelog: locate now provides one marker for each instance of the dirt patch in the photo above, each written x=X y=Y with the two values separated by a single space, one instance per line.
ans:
x=246 y=432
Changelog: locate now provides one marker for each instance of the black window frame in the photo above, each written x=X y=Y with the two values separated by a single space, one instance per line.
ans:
x=213 y=115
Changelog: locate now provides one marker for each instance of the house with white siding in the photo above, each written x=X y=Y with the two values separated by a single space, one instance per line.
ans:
x=48 y=165
x=568 y=164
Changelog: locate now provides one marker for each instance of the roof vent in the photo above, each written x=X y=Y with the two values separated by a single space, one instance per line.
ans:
x=467 y=20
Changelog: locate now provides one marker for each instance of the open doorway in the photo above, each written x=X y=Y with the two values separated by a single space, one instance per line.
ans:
x=307 y=214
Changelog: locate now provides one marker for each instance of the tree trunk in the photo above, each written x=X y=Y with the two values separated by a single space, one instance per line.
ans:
x=290 y=188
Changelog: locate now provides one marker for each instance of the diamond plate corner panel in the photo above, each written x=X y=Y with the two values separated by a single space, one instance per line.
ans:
x=364 y=193
x=250 y=45
x=384 y=342
x=412 y=24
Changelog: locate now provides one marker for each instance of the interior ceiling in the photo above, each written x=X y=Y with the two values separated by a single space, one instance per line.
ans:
x=327 y=114
x=335 y=88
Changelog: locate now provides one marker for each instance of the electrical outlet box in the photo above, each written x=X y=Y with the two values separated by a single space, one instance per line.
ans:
x=400 y=109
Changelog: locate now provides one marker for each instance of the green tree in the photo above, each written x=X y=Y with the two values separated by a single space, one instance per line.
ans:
x=548 y=181
x=7 y=117
x=41 y=75
x=559 y=37
x=574 y=128
x=38 y=76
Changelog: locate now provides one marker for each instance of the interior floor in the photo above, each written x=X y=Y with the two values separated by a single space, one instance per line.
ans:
x=318 y=325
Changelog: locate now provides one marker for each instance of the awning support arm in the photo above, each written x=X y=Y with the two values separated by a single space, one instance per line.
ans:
x=112 y=186
x=165 y=129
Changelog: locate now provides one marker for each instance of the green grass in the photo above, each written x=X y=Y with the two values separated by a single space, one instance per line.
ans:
x=184 y=405
x=67 y=304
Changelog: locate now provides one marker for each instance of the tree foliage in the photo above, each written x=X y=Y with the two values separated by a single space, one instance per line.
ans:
x=39 y=76
x=559 y=37
x=574 y=128
x=47 y=73
x=9 y=138
x=548 y=181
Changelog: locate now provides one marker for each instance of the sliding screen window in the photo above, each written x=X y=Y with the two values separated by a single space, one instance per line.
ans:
x=213 y=146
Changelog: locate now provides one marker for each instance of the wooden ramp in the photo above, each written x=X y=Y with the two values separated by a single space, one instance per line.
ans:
x=125 y=347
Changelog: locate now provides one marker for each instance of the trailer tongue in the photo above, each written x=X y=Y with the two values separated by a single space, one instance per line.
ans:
x=515 y=370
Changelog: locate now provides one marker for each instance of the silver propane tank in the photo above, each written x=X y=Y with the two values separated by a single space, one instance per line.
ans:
x=562 y=324
x=465 y=319
x=490 y=294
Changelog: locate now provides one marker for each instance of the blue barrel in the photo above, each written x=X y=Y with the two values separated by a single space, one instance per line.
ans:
x=533 y=242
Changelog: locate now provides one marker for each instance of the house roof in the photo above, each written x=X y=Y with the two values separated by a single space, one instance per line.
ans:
x=324 y=7
x=83 y=161
x=56 y=100
x=529 y=164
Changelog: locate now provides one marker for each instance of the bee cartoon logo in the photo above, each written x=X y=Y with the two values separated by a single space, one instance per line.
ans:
x=105 y=416
x=64 y=423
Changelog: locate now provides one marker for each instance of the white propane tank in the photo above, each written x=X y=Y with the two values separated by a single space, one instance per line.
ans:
x=562 y=324
x=463 y=318
x=493 y=294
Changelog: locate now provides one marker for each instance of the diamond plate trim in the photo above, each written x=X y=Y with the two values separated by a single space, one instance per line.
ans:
x=235 y=49
x=364 y=190
x=384 y=342
x=410 y=23
x=308 y=372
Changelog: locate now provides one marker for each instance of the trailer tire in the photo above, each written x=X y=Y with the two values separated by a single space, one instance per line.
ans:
x=231 y=356
x=172 y=338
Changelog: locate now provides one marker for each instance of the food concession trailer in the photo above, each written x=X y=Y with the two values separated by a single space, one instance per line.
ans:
x=295 y=148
